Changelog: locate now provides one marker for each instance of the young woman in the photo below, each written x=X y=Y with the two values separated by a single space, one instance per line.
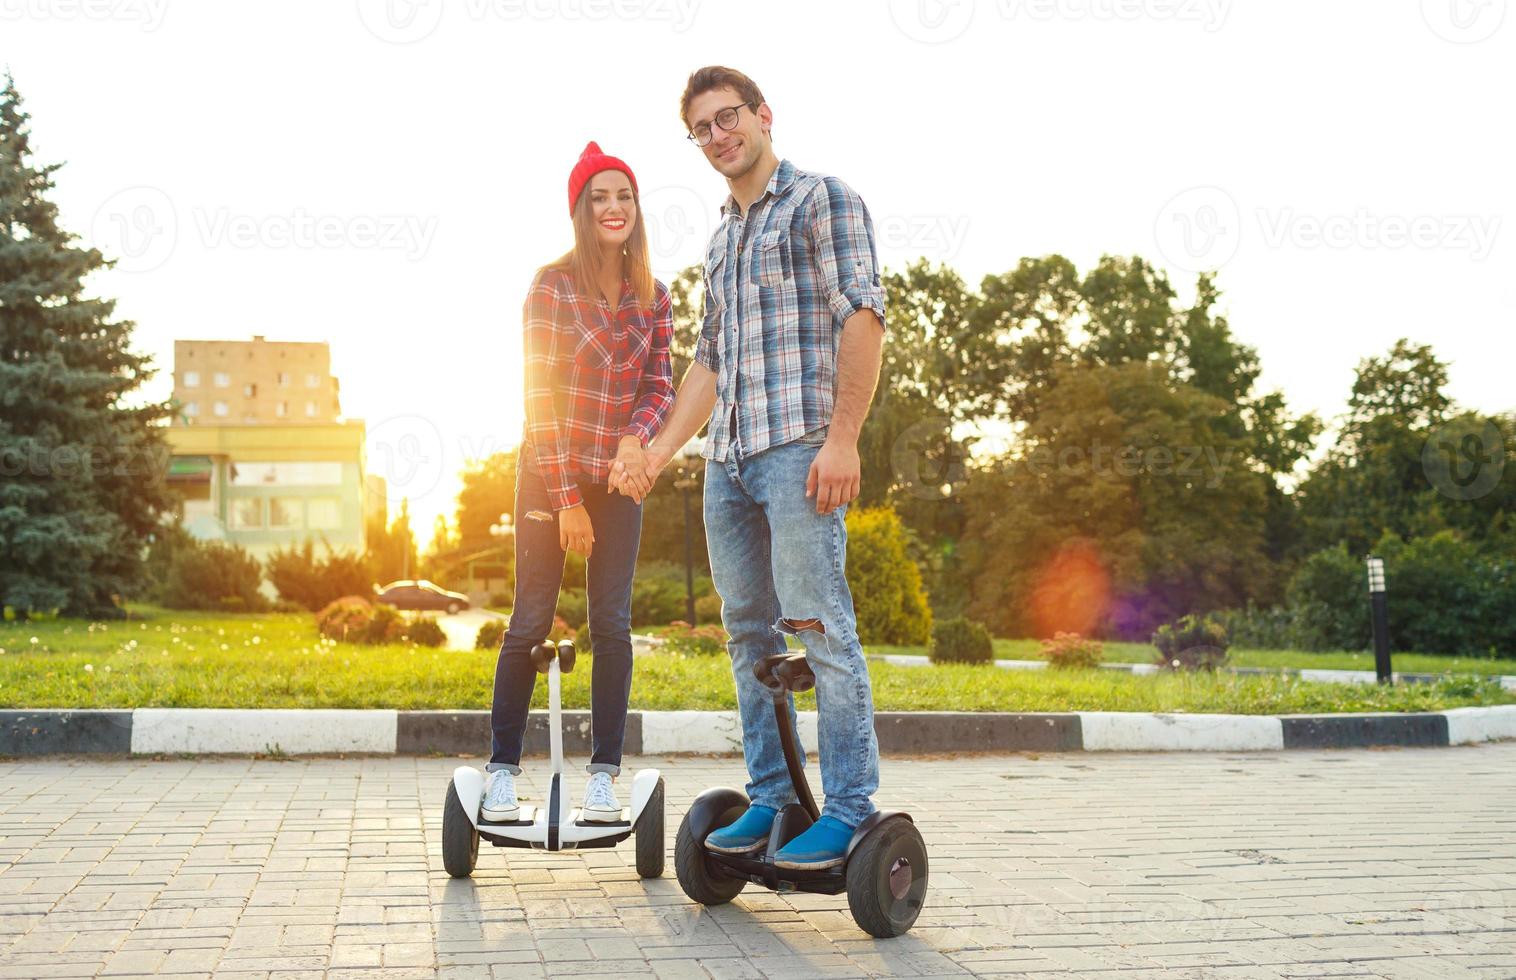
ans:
x=598 y=385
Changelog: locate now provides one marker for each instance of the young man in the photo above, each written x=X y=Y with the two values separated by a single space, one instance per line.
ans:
x=784 y=370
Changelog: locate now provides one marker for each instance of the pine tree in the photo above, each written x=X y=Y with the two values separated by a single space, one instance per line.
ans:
x=82 y=486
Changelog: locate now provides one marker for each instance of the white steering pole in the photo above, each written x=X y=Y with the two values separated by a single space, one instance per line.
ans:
x=555 y=726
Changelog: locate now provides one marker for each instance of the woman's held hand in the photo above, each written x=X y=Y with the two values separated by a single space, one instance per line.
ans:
x=575 y=532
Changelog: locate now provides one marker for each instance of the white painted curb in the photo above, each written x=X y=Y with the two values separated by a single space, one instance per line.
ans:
x=1469 y=725
x=709 y=731
x=1123 y=731
x=293 y=730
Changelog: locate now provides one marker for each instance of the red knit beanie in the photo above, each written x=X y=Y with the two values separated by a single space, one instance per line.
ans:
x=591 y=162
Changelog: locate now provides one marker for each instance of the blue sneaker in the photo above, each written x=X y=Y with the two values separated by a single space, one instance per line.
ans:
x=823 y=846
x=749 y=833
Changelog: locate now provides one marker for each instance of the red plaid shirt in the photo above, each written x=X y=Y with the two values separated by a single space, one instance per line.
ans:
x=593 y=375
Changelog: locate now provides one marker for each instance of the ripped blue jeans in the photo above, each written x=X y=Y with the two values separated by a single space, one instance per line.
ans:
x=774 y=558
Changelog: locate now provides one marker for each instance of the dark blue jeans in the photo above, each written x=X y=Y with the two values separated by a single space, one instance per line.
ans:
x=617 y=521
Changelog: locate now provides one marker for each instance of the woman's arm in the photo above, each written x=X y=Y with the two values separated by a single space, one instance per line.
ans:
x=540 y=339
x=655 y=392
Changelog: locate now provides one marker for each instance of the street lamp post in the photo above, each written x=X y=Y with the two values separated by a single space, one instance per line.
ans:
x=686 y=482
x=1380 y=616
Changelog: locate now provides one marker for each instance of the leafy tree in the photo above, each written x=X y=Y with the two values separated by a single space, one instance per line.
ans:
x=1377 y=477
x=1127 y=503
x=391 y=551
x=81 y=471
x=489 y=490
x=302 y=578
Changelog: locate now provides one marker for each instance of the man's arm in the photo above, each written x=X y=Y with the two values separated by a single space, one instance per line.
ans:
x=835 y=476
x=692 y=407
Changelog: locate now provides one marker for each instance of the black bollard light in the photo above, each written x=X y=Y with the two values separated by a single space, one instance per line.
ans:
x=1380 y=619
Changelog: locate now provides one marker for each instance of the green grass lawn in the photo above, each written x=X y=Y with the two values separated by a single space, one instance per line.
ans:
x=1143 y=653
x=202 y=660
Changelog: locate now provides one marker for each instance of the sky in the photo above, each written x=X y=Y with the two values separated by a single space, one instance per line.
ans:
x=386 y=175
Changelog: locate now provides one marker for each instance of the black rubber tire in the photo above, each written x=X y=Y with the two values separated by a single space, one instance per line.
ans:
x=460 y=841
x=453 y=608
x=875 y=908
x=649 y=833
x=695 y=875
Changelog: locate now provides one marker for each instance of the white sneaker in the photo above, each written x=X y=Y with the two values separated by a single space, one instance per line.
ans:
x=600 y=803
x=500 y=797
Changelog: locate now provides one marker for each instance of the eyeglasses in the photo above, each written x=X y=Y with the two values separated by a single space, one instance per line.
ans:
x=726 y=119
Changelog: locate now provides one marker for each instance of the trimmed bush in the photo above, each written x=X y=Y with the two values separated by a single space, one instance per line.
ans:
x=888 y=598
x=346 y=619
x=961 y=641
x=573 y=606
x=301 y=578
x=502 y=600
x=424 y=631
x=582 y=639
x=683 y=640
x=658 y=593
x=491 y=634
x=212 y=575
x=1070 y=651
x=708 y=609
x=1192 y=643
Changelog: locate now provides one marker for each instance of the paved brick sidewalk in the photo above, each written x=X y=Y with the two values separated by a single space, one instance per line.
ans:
x=1306 y=864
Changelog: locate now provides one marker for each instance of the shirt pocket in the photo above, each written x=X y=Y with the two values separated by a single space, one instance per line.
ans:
x=639 y=340
x=595 y=350
x=770 y=265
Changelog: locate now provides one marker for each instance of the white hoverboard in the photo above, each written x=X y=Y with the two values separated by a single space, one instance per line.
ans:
x=556 y=826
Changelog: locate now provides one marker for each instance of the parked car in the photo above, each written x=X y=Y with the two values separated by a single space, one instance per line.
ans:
x=420 y=594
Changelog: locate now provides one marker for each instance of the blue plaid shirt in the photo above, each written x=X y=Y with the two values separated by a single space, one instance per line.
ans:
x=779 y=285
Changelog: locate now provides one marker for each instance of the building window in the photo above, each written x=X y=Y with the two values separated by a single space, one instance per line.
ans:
x=220 y=409
x=282 y=409
x=313 y=380
x=221 y=379
x=284 y=379
x=323 y=513
x=284 y=512
x=310 y=410
x=280 y=474
x=250 y=391
x=192 y=409
x=247 y=513
x=192 y=379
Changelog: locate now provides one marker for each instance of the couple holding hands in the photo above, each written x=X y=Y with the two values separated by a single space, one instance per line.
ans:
x=785 y=368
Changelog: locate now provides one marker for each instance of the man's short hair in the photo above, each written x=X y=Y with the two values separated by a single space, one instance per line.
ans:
x=717 y=76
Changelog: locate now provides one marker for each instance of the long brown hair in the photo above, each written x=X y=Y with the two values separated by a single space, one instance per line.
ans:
x=585 y=260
